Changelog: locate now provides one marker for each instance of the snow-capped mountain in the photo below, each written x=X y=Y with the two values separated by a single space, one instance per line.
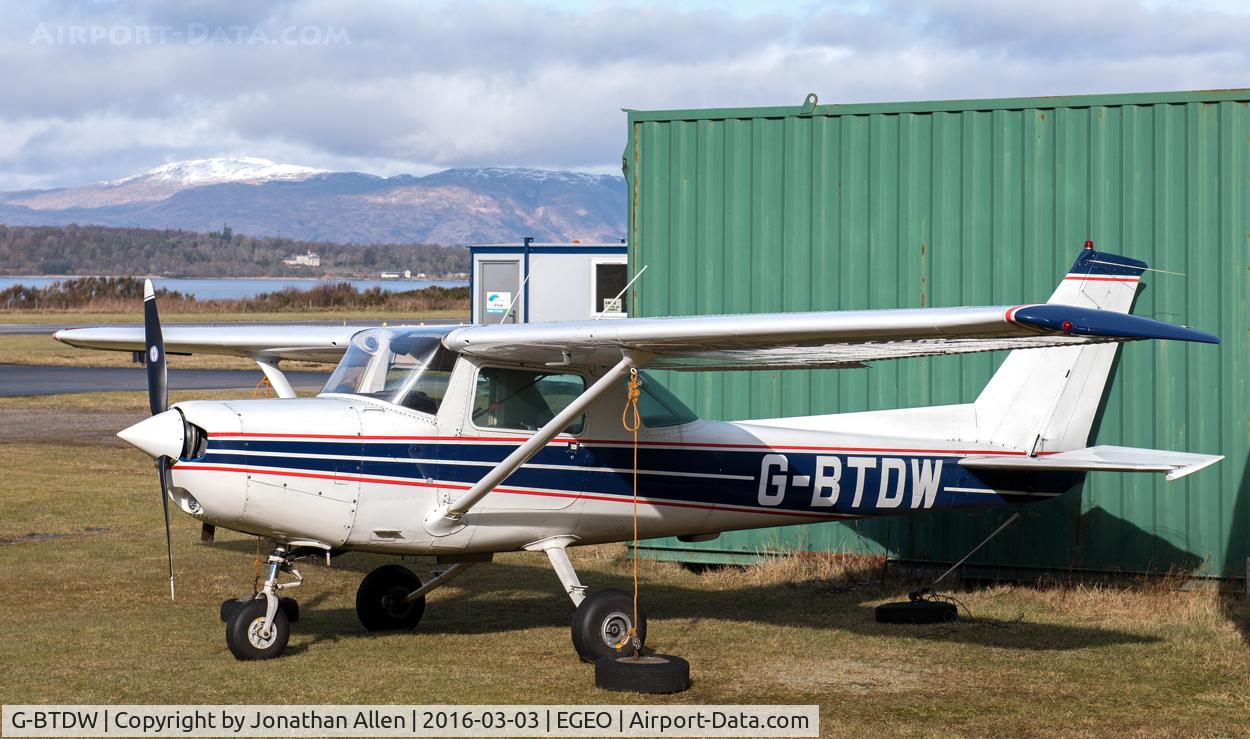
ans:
x=198 y=172
x=259 y=197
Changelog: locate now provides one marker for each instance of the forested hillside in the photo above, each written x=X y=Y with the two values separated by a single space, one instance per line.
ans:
x=95 y=250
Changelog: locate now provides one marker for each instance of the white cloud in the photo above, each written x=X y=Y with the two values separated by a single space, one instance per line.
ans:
x=414 y=87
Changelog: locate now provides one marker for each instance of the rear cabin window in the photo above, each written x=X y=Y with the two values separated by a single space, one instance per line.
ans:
x=657 y=407
x=524 y=399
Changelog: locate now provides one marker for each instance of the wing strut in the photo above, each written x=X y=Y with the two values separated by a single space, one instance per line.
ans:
x=445 y=519
x=277 y=380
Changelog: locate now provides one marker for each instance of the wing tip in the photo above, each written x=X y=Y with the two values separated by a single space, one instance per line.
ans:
x=1079 y=321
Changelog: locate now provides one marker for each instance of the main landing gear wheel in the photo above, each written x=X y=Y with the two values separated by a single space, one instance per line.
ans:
x=289 y=606
x=602 y=621
x=649 y=673
x=247 y=637
x=381 y=599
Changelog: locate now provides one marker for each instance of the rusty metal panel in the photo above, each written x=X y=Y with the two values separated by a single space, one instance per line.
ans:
x=966 y=203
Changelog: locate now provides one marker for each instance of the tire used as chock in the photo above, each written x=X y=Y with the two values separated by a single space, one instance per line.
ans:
x=289 y=606
x=925 y=611
x=648 y=673
x=230 y=605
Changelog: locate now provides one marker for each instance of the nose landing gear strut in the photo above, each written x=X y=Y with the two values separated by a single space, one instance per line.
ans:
x=259 y=628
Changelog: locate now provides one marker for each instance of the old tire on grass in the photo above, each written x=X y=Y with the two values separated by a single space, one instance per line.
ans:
x=230 y=605
x=289 y=606
x=245 y=638
x=380 y=599
x=917 y=612
x=602 y=620
x=650 y=673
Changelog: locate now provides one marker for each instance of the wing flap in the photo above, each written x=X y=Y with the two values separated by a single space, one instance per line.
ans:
x=1101 y=458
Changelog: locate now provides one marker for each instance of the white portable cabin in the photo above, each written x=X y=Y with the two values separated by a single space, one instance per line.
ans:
x=529 y=282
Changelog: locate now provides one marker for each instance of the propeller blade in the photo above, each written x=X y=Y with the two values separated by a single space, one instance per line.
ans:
x=162 y=468
x=207 y=532
x=158 y=380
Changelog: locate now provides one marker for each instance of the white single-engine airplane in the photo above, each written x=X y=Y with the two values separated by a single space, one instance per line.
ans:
x=459 y=442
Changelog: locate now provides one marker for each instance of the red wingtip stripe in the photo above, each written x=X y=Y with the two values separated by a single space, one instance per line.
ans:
x=1101 y=278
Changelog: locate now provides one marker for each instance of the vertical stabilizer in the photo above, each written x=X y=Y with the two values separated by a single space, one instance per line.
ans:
x=1044 y=400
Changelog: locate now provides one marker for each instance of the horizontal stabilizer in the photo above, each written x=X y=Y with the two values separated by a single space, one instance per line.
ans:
x=1101 y=458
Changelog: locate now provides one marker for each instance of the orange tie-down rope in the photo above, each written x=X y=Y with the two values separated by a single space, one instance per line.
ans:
x=264 y=382
x=631 y=421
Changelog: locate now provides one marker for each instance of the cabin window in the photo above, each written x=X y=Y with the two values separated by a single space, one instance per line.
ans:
x=524 y=399
x=657 y=407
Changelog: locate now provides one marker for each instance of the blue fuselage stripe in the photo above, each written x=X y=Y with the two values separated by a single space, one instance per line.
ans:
x=826 y=482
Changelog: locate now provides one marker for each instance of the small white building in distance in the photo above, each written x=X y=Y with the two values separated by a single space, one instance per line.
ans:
x=311 y=259
x=531 y=282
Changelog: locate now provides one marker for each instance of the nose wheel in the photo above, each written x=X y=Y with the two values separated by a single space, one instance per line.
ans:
x=252 y=634
x=258 y=628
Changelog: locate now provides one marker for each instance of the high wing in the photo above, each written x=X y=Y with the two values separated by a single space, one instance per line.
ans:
x=269 y=342
x=809 y=340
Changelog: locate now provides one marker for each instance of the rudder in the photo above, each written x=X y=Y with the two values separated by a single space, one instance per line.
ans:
x=1045 y=400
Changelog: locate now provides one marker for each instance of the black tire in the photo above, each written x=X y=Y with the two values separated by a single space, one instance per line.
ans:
x=917 y=612
x=289 y=606
x=650 y=673
x=380 y=603
x=230 y=605
x=243 y=632
x=602 y=620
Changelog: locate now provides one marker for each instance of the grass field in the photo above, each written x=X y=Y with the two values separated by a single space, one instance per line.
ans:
x=87 y=619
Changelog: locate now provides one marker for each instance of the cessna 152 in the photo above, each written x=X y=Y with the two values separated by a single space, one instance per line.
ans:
x=459 y=442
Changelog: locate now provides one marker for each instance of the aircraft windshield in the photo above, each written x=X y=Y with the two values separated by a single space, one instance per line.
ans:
x=408 y=367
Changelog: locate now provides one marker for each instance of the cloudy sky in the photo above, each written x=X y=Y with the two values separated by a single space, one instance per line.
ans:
x=100 y=90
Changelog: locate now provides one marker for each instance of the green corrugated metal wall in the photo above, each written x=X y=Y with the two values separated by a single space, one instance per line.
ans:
x=971 y=203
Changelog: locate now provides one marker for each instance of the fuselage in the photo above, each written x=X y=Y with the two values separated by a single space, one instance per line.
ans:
x=349 y=472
